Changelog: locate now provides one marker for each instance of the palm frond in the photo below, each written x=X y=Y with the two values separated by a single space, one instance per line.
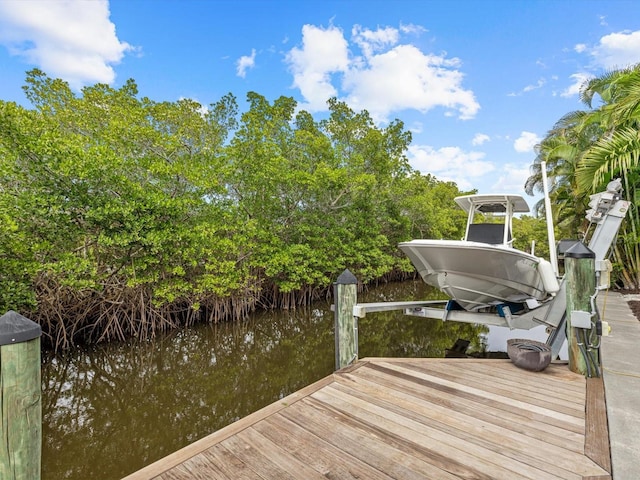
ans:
x=608 y=157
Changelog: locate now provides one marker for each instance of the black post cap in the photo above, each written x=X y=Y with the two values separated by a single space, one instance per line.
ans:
x=579 y=250
x=347 y=278
x=14 y=328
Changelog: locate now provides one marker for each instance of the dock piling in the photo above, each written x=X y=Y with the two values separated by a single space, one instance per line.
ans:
x=20 y=398
x=345 y=291
x=581 y=285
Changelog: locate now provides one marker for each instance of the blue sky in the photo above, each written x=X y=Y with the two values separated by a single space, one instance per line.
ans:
x=477 y=82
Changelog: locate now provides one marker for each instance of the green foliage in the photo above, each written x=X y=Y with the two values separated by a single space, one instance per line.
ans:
x=586 y=149
x=121 y=215
x=428 y=206
x=528 y=229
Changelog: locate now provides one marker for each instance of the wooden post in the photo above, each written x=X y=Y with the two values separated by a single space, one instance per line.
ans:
x=345 y=294
x=20 y=398
x=581 y=285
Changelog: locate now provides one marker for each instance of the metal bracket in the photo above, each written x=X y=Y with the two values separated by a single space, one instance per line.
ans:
x=581 y=319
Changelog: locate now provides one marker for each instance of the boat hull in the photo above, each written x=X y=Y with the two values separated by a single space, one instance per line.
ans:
x=477 y=275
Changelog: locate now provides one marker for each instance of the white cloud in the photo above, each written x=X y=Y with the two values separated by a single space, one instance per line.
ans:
x=574 y=88
x=371 y=41
x=613 y=51
x=246 y=62
x=450 y=164
x=324 y=52
x=480 y=138
x=539 y=84
x=512 y=178
x=618 y=50
x=385 y=77
x=411 y=28
x=525 y=142
x=73 y=40
x=416 y=127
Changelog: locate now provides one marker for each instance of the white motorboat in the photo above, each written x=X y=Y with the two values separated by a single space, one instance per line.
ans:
x=483 y=270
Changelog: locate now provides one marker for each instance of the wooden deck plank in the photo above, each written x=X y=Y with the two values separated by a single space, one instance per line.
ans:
x=525 y=391
x=368 y=444
x=484 y=397
x=510 y=379
x=216 y=462
x=530 y=458
x=557 y=375
x=413 y=419
x=474 y=457
x=522 y=421
x=268 y=459
x=597 y=445
x=467 y=420
x=515 y=383
x=314 y=451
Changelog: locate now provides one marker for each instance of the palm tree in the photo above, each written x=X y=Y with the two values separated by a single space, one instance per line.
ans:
x=586 y=149
x=617 y=150
x=616 y=153
x=561 y=150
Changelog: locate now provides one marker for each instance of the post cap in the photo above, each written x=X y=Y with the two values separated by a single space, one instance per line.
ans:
x=347 y=278
x=579 y=250
x=14 y=328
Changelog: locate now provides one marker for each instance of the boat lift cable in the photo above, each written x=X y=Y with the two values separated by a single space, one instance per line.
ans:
x=585 y=355
x=587 y=346
x=595 y=329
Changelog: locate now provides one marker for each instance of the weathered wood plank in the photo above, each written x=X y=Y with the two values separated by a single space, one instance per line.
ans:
x=312 y=450
x=268 y=459
x=514 y=377
x=214 y=463
x=533 y=451
x=518 y=413
x=478 y=394
x=596 y=445
x=370 y=445
x=529 y=458
x=557 y=374
x=525 y=392
x=511 y=379
x=398 y=391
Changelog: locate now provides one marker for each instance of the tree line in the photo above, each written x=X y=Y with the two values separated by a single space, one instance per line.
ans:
x=121 y=216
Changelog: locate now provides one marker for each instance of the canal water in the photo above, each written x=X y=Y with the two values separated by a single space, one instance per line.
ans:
x=112 y=409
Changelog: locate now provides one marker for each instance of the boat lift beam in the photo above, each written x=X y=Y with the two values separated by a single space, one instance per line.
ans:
x=437 y=309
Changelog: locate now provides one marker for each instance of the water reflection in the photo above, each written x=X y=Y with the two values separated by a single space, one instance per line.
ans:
x=110 y=410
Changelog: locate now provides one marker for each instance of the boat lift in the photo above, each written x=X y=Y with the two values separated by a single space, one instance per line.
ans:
x=607 y=213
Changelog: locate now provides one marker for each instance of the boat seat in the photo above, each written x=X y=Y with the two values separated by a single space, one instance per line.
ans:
x=492 y=233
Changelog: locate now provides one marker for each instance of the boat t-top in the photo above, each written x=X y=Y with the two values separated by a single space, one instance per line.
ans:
x=483 y=270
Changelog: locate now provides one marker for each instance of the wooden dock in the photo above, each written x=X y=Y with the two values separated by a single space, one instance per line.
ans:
x=389 y=418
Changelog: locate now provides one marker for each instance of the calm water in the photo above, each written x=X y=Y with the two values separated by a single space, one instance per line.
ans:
x=110 y=410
